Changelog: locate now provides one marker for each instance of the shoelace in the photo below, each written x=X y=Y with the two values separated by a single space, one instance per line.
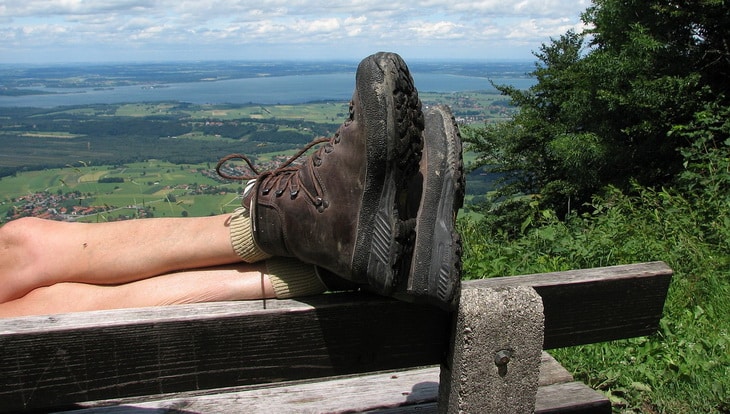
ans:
x=285 y=166
x=283 y=174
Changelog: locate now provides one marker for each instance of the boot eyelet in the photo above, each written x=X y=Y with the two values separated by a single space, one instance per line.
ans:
x=279 y=193
x=293 y=193
x=265 y=191
x=317 y=162
x=322 y=205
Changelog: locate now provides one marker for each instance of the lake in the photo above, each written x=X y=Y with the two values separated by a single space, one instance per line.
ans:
x=294 y=89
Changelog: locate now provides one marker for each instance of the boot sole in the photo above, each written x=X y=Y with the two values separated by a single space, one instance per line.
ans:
x=435 y=271
x=394 y=128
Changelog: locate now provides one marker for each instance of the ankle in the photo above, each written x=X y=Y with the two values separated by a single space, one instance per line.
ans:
x=242 y=237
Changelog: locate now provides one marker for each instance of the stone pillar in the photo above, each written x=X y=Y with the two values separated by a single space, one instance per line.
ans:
x=494 y=364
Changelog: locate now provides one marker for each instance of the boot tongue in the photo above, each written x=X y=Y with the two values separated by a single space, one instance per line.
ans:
x=248 y=193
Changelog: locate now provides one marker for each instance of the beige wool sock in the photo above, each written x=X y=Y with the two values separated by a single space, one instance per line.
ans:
x=242 y=237
x=293 y=278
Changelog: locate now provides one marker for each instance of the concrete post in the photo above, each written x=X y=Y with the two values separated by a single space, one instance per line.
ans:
x=494 y=364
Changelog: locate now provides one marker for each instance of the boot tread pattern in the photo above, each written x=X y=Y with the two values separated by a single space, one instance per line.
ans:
x=389 y=249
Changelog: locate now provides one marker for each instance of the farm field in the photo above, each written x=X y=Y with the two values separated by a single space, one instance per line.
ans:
x=161 y=188
x=120 y=161
x=183 y=133
x=486 y=106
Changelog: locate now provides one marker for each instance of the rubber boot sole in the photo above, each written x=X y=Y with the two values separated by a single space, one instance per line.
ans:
x=435 y=271
x=394 y=128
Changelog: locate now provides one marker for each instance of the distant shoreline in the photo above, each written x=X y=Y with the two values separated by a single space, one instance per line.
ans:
x=231 y=82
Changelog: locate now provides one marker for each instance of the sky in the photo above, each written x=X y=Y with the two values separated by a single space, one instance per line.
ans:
x=59 y=31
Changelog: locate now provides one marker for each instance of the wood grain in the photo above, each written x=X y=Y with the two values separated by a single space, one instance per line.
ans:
x=59 y=360
x=408 y=391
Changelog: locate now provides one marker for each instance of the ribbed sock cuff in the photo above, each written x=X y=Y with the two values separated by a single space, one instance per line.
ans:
x=242 y=237
x=293 y=278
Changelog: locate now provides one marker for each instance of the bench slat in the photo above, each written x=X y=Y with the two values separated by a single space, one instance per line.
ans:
x=55 y=361
x=72 y=359
x=596 y=305
x=408 y=391
x=571 y=397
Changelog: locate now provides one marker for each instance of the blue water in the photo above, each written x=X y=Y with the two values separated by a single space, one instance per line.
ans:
x=263 y=90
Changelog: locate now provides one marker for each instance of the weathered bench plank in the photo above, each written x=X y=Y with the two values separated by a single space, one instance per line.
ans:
x=55 y=361
x=406 y=391
x=59 y=360
x=599 y=304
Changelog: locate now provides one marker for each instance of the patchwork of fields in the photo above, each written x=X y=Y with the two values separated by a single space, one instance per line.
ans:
x=111 y=162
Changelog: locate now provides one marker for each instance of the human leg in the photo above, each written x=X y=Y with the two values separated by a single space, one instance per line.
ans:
x=36 y=253
x=95 y=266
x=230 y=282
x=273 y=278
x=344 y=210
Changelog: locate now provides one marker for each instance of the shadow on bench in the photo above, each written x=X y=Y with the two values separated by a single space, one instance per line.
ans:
x=331 y=350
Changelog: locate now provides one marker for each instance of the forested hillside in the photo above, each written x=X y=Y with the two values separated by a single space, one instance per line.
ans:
x=115 y=134
x=621 y=153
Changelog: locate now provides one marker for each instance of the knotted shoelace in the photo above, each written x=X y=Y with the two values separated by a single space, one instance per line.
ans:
x=283 y=176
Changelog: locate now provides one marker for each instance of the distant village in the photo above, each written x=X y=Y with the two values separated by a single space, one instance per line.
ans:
x=75 y=205
x=62 y=207
x=469 y=111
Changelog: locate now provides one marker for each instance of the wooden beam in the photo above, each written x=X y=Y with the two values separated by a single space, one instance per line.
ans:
x=56 y=361
x=596 y=305
x=405 y=391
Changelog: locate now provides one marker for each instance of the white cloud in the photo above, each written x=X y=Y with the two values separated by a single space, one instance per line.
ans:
x=328 y=25
x=438 y=30
x=148 y=33
x=60 y=26
x=42 y=30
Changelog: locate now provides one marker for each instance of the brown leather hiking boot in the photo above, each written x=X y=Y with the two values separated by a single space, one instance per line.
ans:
x=344 y=208
x=437 y=195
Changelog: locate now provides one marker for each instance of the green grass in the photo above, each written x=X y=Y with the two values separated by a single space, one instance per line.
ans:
x=50 y=134
x=683 y=368
x=197 y=135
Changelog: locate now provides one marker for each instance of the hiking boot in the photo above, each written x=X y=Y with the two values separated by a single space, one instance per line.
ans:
x=344 y=208
x=435 y=272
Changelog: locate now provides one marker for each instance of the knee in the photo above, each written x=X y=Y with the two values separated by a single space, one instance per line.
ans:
x=21 y=242
x=16 y=233
x=18 y=263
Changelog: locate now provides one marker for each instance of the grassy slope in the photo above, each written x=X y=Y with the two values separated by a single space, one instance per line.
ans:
x=685 y=367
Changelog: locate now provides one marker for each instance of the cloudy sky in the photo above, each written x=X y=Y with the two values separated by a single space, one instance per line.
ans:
x=46 y=31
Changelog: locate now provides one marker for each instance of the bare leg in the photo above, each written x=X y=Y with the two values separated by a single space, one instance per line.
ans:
x=234 y=282
x=36 y=253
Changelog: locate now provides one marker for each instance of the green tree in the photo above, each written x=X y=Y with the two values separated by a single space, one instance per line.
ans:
x=606 y=100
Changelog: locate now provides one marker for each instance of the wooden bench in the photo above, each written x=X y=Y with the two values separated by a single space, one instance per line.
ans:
x=343 y=352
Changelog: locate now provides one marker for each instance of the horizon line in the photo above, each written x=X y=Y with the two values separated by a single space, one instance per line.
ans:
x=272 y=60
